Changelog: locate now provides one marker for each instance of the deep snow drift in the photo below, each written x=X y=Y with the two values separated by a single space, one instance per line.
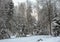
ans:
x=37 y=38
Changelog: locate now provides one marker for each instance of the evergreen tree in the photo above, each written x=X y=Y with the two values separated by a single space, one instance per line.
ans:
x=56 y=27
x=7 y=13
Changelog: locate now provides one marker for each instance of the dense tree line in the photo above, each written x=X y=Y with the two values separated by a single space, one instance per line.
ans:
x=18 y=20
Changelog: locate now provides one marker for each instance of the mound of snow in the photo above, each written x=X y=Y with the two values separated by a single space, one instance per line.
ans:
x=41 y=38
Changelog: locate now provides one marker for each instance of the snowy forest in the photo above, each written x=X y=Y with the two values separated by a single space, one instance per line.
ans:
x=28 y=18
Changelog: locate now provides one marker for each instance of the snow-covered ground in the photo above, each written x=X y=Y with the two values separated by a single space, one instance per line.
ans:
x=37 y=38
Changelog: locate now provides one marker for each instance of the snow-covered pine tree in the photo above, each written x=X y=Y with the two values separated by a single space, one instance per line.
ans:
x=56 y=29
x=9 y=14
x=6 y=15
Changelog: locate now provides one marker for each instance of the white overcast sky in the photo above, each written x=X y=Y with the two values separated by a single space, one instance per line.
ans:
x=18 y=1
